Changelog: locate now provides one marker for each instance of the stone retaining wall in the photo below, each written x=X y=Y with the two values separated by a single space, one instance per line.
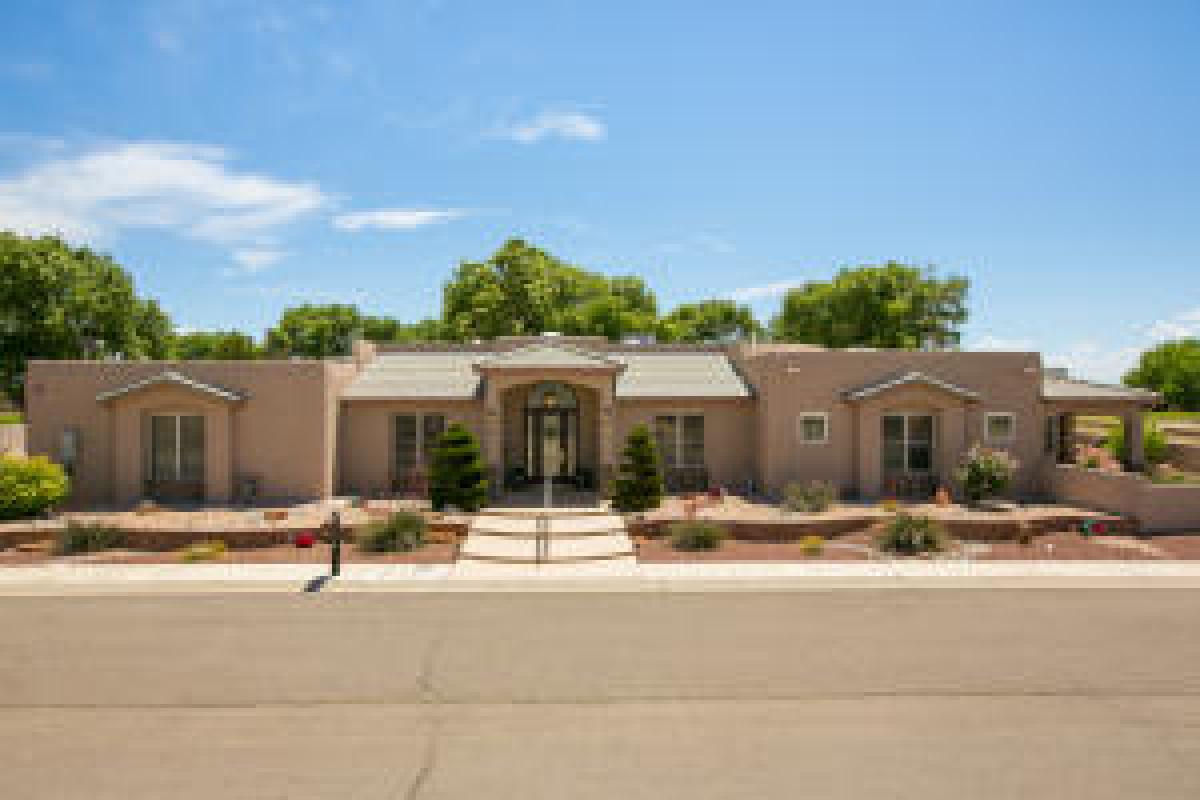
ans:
x=1158 y=508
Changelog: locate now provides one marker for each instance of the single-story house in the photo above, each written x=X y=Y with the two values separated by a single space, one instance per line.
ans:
x=745 y=415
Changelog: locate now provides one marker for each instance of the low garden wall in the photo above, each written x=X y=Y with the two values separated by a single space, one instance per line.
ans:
x=1157 y=507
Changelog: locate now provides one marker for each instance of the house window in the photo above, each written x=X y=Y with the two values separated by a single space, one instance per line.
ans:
x=908 y=442
x=416 y=436
x=177 y=447
x=680 y=439
x=813 y=427
x=999 y=427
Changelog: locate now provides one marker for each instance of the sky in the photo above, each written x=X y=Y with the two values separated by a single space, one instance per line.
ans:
x=241 y=157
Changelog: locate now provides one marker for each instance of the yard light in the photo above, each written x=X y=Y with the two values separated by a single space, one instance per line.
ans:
x=335 y=539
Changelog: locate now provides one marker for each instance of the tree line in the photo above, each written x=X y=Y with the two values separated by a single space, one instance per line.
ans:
x=63 y=301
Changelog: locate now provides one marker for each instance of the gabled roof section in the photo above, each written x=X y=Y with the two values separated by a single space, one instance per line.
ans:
x=434 y=374
x=548 y=356
x=678 y=374
x=912 y=378
x=174 y=378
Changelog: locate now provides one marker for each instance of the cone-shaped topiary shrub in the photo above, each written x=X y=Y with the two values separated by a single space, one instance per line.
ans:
x=457 y=476
x=639 y=485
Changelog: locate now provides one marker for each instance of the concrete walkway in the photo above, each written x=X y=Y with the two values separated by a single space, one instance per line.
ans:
x=496 y=543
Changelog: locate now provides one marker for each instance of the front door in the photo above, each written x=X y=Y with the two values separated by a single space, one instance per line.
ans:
x=908 y=444
x=552 y=435
x=175 y=458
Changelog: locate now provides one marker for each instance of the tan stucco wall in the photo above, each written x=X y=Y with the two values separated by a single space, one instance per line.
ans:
x=1158 y=508
x=365 y=451
x=282 y=433
x=728 y=432
x=790 y=382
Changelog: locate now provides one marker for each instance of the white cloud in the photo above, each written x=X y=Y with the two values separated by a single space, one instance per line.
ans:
x=253 y=260
x=95 y=194
x=747 y=293
x=1094 y=361
x=561 y=124
x=1180 y=326
x=394 y=218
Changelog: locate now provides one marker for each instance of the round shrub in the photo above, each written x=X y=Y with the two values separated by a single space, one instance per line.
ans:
x=812 y=497
x=211 y=550
x=985 y=473
x=911 y=534
x=29 y=486
x=696 y=535
x=812 y=545
x=398 y=533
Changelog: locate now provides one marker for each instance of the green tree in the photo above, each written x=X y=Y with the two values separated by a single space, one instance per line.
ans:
x=315 y=331
x=888 y=306
x=387 y=329
x=215 y=346
x=1173 y=370
x=1155 y=448
x=708 y=321
x=457 y=476
x=60 y=301
x=639 y=484
x=522 y=290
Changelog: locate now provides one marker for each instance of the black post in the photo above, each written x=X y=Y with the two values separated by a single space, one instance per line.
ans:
x=335 y=554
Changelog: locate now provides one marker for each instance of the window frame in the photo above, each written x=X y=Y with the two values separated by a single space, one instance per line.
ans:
x=987 y=427
x=421 y=449
x=802 y=417
x=680 y=448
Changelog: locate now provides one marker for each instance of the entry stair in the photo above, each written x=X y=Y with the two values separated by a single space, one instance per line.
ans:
x=567 y=536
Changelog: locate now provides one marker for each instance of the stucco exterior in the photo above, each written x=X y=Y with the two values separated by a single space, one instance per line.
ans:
x=307 y=429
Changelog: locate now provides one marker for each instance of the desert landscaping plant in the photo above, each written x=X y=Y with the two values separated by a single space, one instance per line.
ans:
x=210 y=550
x=985 y=473
x=812 y=545
x=86 y=537
x=30 y=486
x=401 y=532
x=696 y=535
x=639 y=485
x=910 y=535
x=812 y=497
x=457 y=476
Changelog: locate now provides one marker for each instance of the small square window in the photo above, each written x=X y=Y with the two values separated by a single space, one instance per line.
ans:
x=813 y=428
x=1000 y=427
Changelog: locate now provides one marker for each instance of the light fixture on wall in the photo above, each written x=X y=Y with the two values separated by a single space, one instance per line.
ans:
x=68 y=449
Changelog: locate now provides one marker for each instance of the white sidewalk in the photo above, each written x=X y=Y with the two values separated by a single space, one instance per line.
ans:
x=747 y=575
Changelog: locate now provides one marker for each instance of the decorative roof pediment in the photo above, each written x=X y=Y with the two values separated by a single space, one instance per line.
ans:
x=171 y=377
x=912 y=378
x=548 y=356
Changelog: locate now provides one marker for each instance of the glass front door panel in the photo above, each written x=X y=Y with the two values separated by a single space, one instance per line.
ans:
x=908 y=443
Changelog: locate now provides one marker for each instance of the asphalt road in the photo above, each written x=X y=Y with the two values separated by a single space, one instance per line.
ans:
x=894 y=693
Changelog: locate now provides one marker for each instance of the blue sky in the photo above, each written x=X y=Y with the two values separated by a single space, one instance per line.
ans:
x=240 y=157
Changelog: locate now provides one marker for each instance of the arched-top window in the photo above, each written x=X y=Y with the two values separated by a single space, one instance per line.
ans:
x=551 y=394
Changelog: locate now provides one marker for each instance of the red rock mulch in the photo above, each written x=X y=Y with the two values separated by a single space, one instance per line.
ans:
x=1069 y=547
x=433 y=553
x=659 y=550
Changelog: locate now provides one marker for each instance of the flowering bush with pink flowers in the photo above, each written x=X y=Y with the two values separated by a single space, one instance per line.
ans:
x=985 y=473
x=1097 y=458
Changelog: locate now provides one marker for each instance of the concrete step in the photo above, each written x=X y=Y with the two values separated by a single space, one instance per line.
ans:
x=626 y=567
x=535 y=511
x=521 y=550
x=562 y=526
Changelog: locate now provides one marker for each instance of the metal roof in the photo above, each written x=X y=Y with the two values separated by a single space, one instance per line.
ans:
x=908 y=378
x=1070 y=389
x=177 y=378
x=454 y=374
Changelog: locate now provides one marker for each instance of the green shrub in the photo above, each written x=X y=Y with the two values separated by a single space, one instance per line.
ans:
x=1154 y=443
x=87 y=537
x=696 y=535
x=29 y=486
x=985 y=473
x=457 y=476
x=210 y=550
x=911 y=534
x=398 y=533
x=812 y=545
x=639 y=484
x=812 y=497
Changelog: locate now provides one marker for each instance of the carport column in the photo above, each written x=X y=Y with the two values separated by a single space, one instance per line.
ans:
x=1135 y=451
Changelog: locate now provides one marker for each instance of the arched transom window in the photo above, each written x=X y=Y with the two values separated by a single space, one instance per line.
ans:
x=551 y=394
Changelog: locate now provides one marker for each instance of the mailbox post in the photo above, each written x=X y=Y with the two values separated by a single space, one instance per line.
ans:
x=335 y=540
